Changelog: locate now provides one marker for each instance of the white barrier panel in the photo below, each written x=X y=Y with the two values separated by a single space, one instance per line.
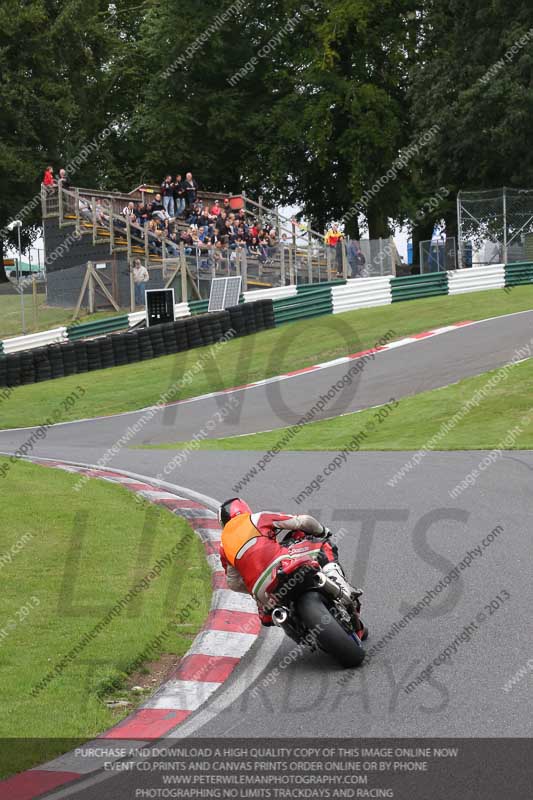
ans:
x=361 y=293
x=274 y=294
x=41 y=339
x=180 y=310
x=476 y=279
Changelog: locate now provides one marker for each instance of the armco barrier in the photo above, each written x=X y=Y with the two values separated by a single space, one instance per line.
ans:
x=313 y=303
x=19 y=343
x=476 y=279
x=312 y=300
x=361 y=293
x=85 y=330
x=519 y=274
x=412 y=287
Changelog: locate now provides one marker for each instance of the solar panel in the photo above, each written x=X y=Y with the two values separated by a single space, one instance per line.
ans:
x=225 y=292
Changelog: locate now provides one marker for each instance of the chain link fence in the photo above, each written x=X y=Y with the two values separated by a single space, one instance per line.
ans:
x=497 y=225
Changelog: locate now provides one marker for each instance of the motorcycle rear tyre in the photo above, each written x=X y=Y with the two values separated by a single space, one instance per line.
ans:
x=331 y=636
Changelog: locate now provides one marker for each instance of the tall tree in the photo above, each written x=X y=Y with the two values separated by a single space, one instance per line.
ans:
x=60 y=91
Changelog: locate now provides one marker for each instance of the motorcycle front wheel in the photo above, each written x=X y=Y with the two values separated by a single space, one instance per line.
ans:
x=331 y=637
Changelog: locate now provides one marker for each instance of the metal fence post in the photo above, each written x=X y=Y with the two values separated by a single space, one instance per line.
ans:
x=183 y=267
x=505 y=225
x=244 y=270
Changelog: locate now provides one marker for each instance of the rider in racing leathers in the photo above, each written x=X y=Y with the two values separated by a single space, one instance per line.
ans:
x=252 y=544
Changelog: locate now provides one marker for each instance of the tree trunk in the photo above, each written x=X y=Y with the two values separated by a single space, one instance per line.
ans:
x=421 y=233
x=378 y=224
x=352 y=228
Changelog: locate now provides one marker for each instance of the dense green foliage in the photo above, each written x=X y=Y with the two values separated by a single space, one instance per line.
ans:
x=307 y=104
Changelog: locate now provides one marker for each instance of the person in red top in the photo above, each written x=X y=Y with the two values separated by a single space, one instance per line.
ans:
x=48 y=178
x=252 y=545
x=215 y=209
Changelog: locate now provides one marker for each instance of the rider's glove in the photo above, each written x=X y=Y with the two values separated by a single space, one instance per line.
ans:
x=326 y=533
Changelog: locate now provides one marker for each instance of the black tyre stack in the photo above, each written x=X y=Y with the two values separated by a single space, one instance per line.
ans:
x=55 y=354
x=70 y=358
x=145 y=345
x=132 y=346
x=156 y=338
x=180 y=332
x=107 y=356
x=169 y=338
x=3 y=369
x=237 y=320
x=70 y=365
x=41 y=362
x=118 y=342
x=194 y=337
x=206 y=329
x=80 y=350
x=268 y=313
x=27 y=370
x=93 y=355
x=249 y=318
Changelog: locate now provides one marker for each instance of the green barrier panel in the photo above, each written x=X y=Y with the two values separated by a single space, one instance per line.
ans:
x=519 y=274
x=313 y=303
x=412 y=287
x=87 y=329
x=198 y=306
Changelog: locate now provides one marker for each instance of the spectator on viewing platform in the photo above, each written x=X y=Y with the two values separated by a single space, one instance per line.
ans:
x=140 y=279
x=356 y=259
x=179 y=196
x=190 y=187
x=167 y=190
x=144 y=213
x=128 y=210
x=63 y=179
x=215 y=209
x=101 y=216
x=48 y=177
x=158 y=210
x=85 y=210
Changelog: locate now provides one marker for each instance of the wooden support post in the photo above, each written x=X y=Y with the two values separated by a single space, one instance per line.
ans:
x=91 y=290
x=132 y=290
x=309 y=262
x=291 y=266
x=82 y=291
x=128 y=237
x=77 y=202
x=282 y=265
x=111 y=229
x=94 y=219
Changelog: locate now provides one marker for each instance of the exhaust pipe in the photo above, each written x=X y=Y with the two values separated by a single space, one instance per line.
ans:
x=332 y=588
x=280 y=616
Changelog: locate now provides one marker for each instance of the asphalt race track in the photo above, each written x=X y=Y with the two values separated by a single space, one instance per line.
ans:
x=396 y=542
x=418 y=367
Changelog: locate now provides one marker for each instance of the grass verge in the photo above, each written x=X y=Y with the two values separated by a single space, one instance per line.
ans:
x=74 y=555
x=290 y=347
x=408 y=425
x=39 y=317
